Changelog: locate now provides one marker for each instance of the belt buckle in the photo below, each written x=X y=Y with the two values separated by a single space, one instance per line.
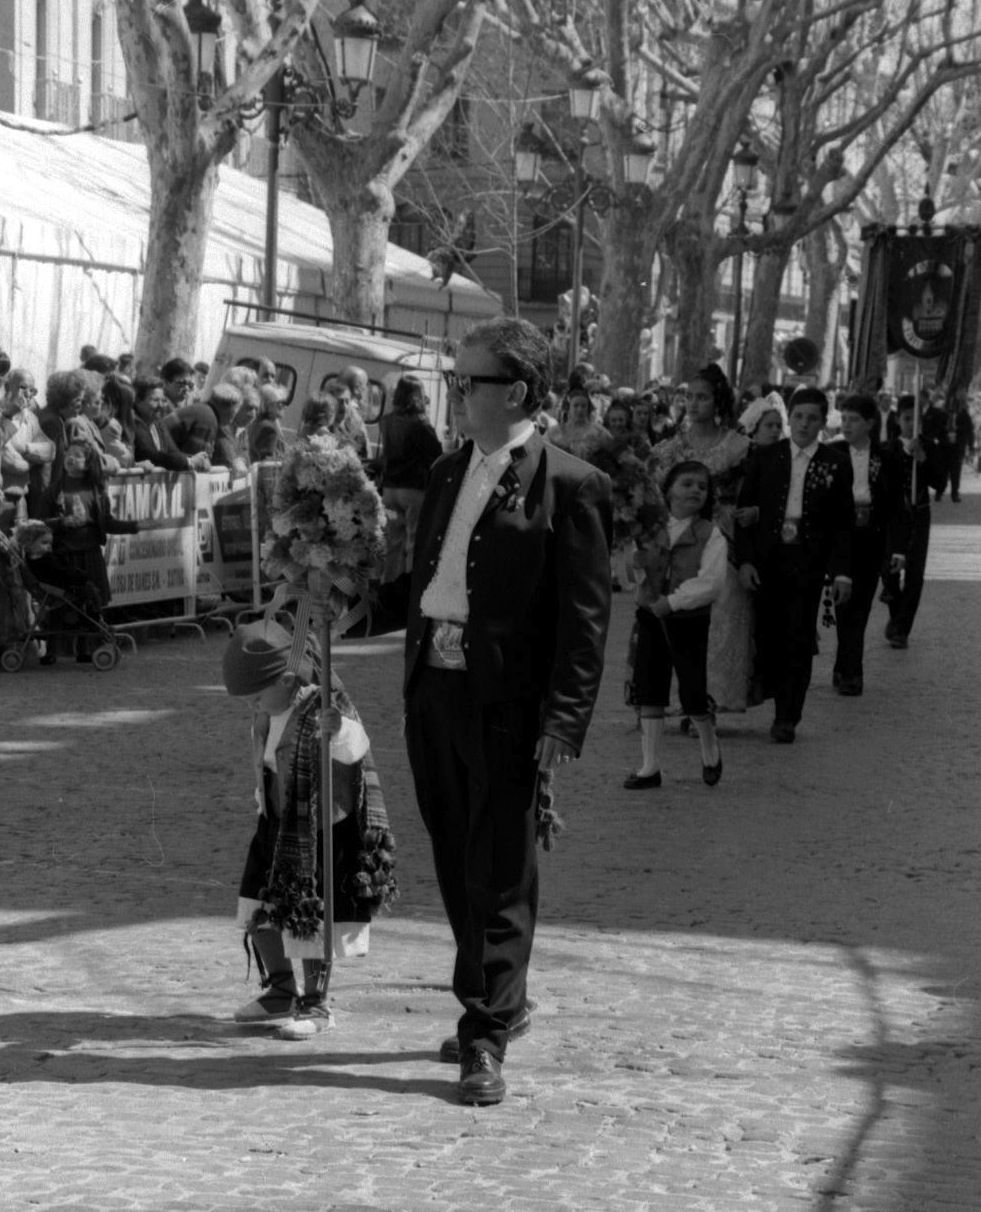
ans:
x=790 y=530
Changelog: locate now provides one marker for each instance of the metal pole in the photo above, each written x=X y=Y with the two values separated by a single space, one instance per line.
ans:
x=577 y=250
x=274 y=99
x=737 y=286
x=327 y=797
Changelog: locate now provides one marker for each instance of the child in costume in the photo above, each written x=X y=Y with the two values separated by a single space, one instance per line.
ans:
x=682 y=566
x=280 y=904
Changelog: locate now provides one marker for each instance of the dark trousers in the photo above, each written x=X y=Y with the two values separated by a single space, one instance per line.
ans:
x=786 y=620
x=868 y=550
x=905 y=592
x=475 y=772
x=958 y=453
x=678 y=642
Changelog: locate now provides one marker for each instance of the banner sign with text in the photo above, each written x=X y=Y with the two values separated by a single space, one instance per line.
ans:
x=157 y=564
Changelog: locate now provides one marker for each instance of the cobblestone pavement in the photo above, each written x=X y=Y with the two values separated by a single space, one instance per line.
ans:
x=759 y=996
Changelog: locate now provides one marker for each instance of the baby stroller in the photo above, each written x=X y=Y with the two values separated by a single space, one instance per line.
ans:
x=69 y=611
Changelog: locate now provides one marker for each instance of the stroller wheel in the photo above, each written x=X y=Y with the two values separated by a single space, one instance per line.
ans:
x=11 y=660
x=105 y=657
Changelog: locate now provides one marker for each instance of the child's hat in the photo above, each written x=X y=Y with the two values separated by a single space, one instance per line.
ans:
x=258 y=654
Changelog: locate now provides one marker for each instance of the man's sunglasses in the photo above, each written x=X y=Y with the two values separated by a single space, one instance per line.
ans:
x=464 y=383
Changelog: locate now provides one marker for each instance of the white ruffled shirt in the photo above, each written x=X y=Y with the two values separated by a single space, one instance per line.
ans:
x=445 y=597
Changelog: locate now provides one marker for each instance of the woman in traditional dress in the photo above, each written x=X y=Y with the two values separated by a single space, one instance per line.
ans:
x=708 y=436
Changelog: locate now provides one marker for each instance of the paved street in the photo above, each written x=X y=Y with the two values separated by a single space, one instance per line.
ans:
x=765 y=995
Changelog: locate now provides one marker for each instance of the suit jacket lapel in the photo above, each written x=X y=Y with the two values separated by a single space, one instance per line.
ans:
x=516 y=478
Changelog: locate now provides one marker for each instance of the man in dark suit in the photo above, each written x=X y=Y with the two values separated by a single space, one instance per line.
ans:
x=507 y=619
x=902 y=593
x=801 y=495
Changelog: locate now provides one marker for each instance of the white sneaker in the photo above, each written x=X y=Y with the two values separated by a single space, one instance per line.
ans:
x=269 y=1009
x=308 y=1019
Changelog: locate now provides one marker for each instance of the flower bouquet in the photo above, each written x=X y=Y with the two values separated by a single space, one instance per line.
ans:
x=328 y=525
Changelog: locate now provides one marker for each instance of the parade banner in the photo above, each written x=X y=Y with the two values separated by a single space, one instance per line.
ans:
x=923 y=314
x=157 y=564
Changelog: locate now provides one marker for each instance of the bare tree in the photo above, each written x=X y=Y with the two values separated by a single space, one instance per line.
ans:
x=353 y=175
x=188 y=133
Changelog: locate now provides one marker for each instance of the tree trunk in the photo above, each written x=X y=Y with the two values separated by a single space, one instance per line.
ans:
x=182 y=201
x=625 y=295
x=757 y=363
x=696 y=259
x=825 y=251
x=359 y=205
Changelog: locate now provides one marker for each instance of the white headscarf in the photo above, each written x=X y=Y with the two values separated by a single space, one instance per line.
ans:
x=758 y=410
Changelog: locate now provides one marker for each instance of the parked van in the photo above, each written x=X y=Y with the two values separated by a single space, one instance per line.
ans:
x=307 y=357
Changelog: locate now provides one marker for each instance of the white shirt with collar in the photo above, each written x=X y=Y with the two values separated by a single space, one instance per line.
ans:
x=861 y=488
x=445 y=597
x=800 y=460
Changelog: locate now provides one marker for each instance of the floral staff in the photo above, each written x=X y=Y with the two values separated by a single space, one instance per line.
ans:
x=327 y=541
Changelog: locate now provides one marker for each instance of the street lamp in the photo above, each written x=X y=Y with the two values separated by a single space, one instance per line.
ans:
x=205 y=26
x=583 y=190
x=356 y=35
x=744 y=164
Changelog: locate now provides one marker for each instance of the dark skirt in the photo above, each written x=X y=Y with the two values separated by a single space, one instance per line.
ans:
x=346 y=845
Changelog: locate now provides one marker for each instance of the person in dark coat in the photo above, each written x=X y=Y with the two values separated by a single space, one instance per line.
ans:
x=902 y=592
x=507 y=618
x=801 y=492
x=880 y=537
x=153 y=442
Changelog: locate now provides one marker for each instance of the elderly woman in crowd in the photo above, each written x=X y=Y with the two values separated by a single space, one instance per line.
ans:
x=709 y=436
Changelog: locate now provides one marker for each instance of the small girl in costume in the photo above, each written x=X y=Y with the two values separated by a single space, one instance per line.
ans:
x=77 y=509
x=681 y=565
x=280 y=903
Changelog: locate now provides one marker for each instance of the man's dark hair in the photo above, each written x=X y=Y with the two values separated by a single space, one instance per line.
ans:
x=523 y=351
x=809 y=395
x=176 y=368
x=865 y=406
x=101 y=363
x=905 y=403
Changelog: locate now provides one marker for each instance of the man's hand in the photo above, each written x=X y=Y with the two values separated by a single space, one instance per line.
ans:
x=661 y=608
x=749 y=578
x=841 y=591
x=897 y=563
x=551 y=752
x=748 y=515
x=331 y=721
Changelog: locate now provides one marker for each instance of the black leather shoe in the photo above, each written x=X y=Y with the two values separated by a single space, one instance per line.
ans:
x=640 y=782
x=850 y=687
x=481 y=1082
x=449 y=1049
x=782 y=733
x=712 y=774
x=898 y=641
x=835 y=679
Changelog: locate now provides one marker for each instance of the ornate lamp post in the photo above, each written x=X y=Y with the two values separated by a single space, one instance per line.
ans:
x=205 y=26
x=572 y=197
x=744 y=164
x=356 y=35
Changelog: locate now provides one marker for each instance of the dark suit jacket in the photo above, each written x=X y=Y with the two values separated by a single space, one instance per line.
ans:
x=165 y=455
x=889 y=516
x=538 y=581
x=828 y=510
x=929 y=474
